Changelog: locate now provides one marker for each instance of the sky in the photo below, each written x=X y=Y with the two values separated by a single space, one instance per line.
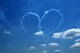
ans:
x=22 y=29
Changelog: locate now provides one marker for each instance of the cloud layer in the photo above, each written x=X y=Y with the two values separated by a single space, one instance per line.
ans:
x=69 y=34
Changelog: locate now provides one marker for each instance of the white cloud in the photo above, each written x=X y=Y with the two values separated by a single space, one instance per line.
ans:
x=44 y=51
x=57 y=35
x=77 y=40
x=7 y=32
x=68 y=34
x=32 y=48
x=39 y=33
x=57 y=50
x=76 y=45
x=71 y=33
x=53 y=44
x=43 y=45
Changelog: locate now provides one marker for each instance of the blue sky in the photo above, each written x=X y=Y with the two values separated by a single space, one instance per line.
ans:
x=65 y=39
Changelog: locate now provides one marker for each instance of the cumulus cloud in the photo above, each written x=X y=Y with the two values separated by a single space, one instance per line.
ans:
x=43 y=45
x=53 y=44
x=68 y=34
x=39 y=33
x=57 y=50
x=71 y=33
x=7 y=32
x=44 y=51
x=76 y=45
x=77 y=40
x=32 y=48
x=57 y=35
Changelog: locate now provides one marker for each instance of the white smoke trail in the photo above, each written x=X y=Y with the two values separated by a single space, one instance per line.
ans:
x=25 y=16
x=46 y=12
x=40 y=20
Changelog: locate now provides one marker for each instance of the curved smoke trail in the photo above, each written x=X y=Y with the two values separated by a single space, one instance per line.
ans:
x=21 y=22
x=40 y=20
x=46 y=12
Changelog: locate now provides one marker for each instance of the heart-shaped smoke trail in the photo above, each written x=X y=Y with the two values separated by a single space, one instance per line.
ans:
x=40 y=32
